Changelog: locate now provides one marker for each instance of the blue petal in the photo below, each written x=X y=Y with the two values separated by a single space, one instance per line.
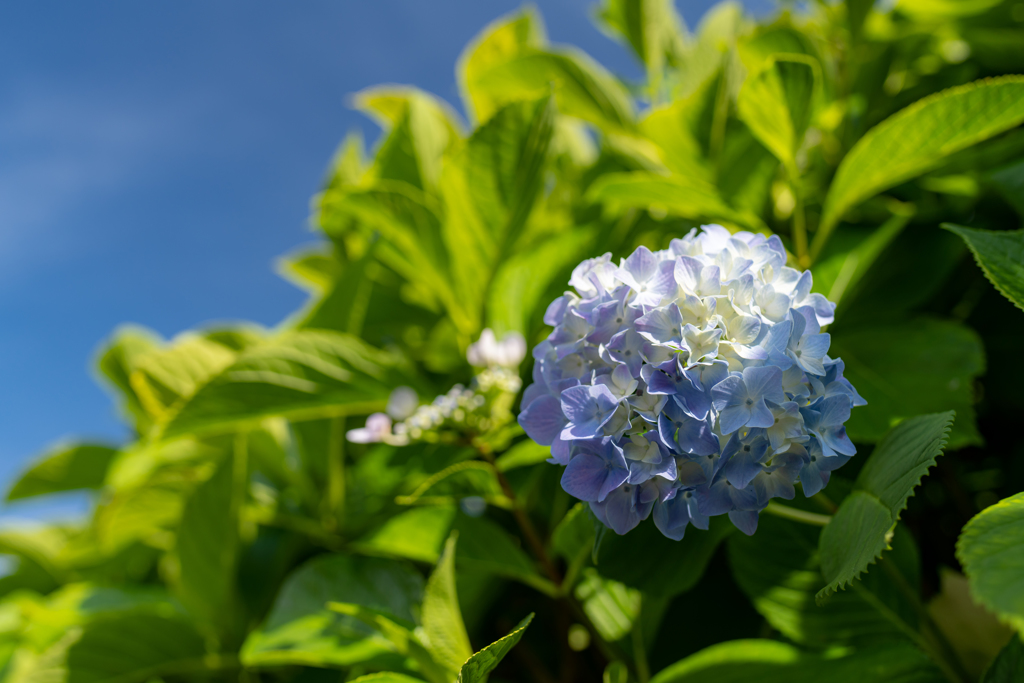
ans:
x=614 y=479
x=765 y=382
x=760 y=416
x=745 y=521
x=543 y=420
x=697 y=437
x=619 y=511
x=743 y=461
x=671 y=517
x=584 y=477
x=732 y=418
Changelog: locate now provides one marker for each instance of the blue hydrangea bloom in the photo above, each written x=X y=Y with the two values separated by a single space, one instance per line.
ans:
x=690 y=382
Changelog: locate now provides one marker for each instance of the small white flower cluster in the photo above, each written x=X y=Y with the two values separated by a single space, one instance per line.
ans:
x=482 y=406
x=489 y=352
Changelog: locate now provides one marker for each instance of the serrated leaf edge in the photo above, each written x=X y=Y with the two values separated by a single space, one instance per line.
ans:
x=956 y=230
x=520 y=627
x=835 y=586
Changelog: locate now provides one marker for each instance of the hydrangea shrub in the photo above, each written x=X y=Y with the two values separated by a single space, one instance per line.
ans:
x=690 y=382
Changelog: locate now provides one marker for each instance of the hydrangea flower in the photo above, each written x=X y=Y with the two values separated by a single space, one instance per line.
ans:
x=690 y=382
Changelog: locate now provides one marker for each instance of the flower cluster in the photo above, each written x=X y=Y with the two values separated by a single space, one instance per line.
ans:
x=690 y=382
x=460 y=412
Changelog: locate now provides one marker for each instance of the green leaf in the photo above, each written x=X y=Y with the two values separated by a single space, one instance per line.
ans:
x=574 y=535
x=912 y=368
x=521 y=281
x=779 y=569
x=678 y=195
x=300 y=375
x=347 y=295
x=769 y=661
x=418 y=534
x=444 y=635
x=857 y=535
x=65 y=468
x=860 y=530
x=208 y=543
x=1009 y=180
x=523 y=454
x=582 y=88
x=776 y=104
x=924 y=10
x=447 y=487
x=611 y=606
x=137 y=647
x=486 y=547
x=1000 y=255
x=301 y=630
x=413 y=239
x=503 y=40
x=651 y=27
x=837 y=275
x=481 y=663
x=404 y=642
x=991 y=551
x=312 y=268
x=1008 y=666
x=856 y=12
x=680 y=563
x=421 y=129
x=165 y=377
x=386 y=677
x=116 y=363
x=916 y=139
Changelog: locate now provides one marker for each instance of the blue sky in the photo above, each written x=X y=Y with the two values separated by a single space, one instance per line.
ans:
x=155 y=158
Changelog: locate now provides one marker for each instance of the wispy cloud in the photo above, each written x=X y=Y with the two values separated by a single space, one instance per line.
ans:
x=61 y=152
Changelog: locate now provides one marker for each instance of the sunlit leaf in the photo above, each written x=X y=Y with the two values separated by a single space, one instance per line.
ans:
x=611 y=606
x=860 y=530
x=776 y=104
x=779 y=569
x=917 y=138
x=300 y=375
x=444 y=634
x=421 y=128
x=678 y=195
x=651 y=27
x=477 y=667
x=301 y=630
x=208 y=541
x=65 y=468
x=503 y=40
x=134 y=648
x=769 y=661
x=991 y=551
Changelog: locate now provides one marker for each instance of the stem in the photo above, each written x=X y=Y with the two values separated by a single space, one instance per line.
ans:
x=539 y=551
x=824 y=501
x=796 y=515
x=947 y=653
x=525 y=525
x=643 y=670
